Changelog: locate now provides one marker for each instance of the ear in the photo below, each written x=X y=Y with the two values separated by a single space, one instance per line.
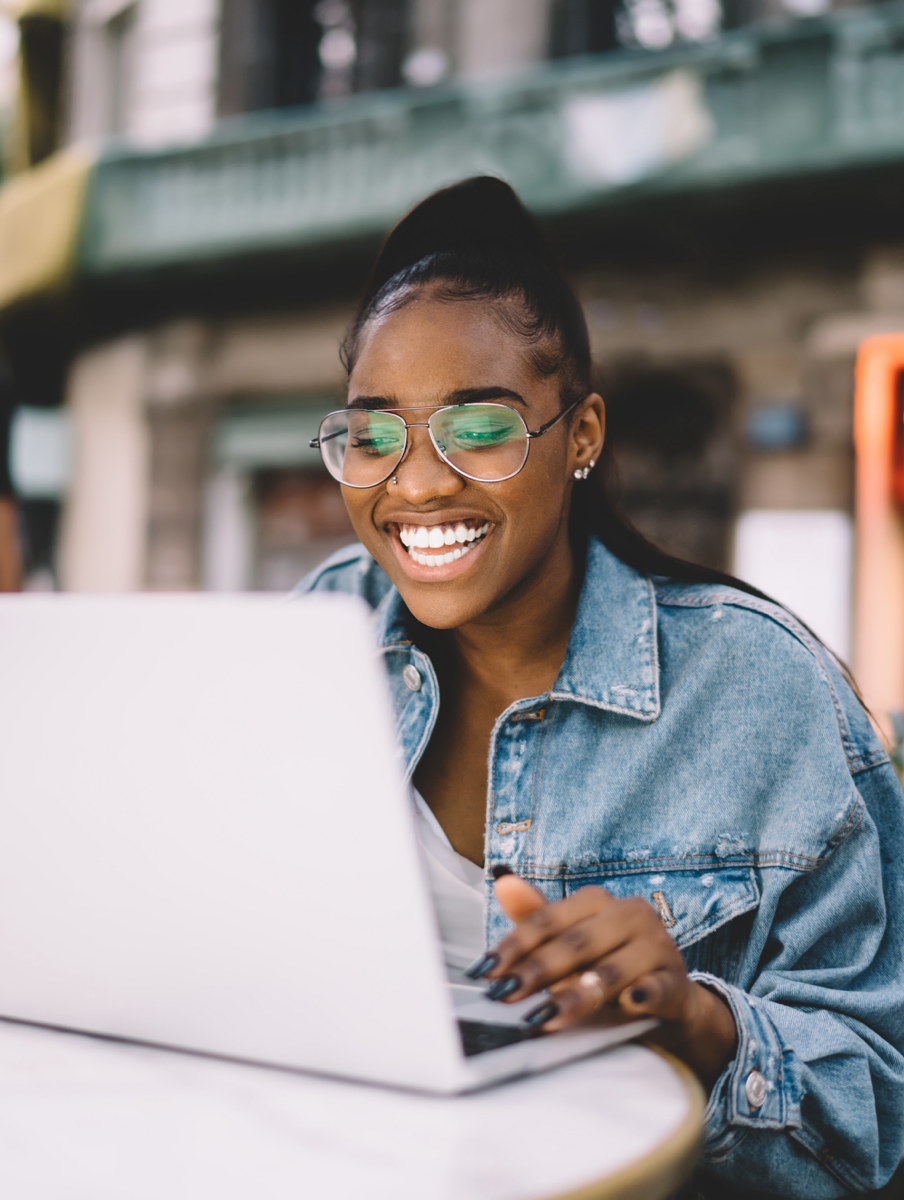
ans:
x=588 y=433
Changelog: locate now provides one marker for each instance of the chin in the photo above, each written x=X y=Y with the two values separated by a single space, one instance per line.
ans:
x=438 y=612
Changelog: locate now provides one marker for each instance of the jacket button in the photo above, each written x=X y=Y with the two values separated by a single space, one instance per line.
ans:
x=412 y=677
x=755 y=1089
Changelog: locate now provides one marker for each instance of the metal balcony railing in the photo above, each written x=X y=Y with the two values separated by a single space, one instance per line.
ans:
x=764 y=103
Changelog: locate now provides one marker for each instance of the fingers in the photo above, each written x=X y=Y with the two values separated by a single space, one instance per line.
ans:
x=560 y=939
x=548 y=921
x=657 y=993
x=517 y=898
x=594 y=992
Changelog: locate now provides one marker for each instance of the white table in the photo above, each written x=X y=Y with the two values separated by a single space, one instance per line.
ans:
x=88 y=1119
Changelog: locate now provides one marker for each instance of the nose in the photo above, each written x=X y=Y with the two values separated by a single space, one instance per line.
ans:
x=422 y=475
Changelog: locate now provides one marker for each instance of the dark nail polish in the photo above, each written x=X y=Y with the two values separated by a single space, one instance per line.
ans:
x=639 y=996
x=498 y=872
x=500 y=988
x=542 y=1014
x=482 y=966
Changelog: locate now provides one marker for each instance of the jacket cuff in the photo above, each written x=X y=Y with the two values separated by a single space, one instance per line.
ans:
x=761 y=1087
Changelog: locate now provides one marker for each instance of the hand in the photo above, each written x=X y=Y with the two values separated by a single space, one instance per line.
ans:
x=599 y=955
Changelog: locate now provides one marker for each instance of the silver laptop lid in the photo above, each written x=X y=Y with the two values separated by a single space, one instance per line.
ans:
x=204 y=838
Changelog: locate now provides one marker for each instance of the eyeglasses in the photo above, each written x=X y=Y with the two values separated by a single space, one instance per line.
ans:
x=362 y=447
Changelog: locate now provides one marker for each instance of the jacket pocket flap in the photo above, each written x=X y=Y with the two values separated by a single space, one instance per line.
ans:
x=691 y=904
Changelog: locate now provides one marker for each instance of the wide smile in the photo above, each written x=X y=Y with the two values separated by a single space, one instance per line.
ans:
x=438 y=550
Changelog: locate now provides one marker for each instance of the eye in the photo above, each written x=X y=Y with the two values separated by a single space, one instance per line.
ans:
x=377 y=436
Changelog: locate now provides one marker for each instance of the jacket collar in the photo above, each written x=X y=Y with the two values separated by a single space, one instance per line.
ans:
x=612 y=660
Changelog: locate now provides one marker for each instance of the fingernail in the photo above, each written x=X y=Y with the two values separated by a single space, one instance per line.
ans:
x=481 y=966
x=639 y=996
x=498 y=872
x=542 y=1014
x=500 y=988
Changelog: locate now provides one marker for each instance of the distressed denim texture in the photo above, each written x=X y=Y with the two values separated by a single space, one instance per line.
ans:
x=701 y=750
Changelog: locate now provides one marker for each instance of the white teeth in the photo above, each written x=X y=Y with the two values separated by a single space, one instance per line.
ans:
x=433 y=537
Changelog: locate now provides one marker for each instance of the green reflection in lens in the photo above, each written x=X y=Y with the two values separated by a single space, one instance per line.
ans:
x=478 y=427
x=375 y=434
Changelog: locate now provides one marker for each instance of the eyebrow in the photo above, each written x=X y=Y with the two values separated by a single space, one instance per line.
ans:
x=460 y=396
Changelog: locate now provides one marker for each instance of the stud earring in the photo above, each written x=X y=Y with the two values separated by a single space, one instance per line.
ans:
x=582 y=474
x=395 y=480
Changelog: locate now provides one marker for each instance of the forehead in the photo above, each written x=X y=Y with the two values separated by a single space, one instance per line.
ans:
x=441 y=346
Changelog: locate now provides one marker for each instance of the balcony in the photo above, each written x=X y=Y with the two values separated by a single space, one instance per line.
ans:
x=772 y=103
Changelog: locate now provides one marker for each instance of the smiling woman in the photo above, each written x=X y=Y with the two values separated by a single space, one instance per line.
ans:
x=679 y=795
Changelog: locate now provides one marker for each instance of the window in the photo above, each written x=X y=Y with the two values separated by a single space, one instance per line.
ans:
x=281 y=53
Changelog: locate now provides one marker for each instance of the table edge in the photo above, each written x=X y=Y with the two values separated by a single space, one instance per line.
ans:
x=662 y=1171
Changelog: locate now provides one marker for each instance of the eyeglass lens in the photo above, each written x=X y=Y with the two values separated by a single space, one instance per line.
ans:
x=481 y=441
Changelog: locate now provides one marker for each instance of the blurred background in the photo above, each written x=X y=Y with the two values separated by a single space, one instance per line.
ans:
x=193 y=190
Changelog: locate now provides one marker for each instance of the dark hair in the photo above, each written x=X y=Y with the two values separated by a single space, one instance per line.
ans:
x=476 y=241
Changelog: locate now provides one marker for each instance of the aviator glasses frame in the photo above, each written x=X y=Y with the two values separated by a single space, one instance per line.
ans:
x=529 y=434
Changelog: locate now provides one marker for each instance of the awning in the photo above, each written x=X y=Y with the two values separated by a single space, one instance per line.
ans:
x=40 y=220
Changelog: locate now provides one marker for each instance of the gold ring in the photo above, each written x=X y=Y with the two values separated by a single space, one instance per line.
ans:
x=591 y=979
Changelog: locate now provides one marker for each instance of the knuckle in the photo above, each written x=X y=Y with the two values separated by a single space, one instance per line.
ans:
x=576 y=938
x=570 y=1001
x=609 y=974
x=543 y=919
x=510 y=948
x=532 y=971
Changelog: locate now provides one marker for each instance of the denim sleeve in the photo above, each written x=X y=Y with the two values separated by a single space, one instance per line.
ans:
x=823 y=1024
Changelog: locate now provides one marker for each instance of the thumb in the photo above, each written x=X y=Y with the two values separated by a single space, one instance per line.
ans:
x=516 y=897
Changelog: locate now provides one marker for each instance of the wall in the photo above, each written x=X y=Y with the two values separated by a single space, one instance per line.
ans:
x=144 y=70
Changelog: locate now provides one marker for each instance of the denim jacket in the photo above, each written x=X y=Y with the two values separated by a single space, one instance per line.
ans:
x=699 y=749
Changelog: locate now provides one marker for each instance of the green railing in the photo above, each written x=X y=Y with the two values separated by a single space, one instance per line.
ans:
x=767 y=103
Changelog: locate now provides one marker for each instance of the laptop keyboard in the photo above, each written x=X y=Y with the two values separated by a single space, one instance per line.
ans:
x=477 y=1037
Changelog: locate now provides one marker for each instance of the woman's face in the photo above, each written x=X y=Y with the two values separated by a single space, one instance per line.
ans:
x=429 y=354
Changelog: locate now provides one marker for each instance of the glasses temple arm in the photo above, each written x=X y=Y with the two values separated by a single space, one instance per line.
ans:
x=534 y=433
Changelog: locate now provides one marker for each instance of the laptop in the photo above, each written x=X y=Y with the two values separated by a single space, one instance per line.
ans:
x=206 y=844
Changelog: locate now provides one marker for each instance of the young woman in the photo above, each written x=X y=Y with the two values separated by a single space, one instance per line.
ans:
x=698 y=818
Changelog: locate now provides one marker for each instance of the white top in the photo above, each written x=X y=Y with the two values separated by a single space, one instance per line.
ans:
x=458 y=892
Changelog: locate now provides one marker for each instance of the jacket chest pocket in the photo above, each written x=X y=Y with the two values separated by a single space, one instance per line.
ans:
x=694 y=905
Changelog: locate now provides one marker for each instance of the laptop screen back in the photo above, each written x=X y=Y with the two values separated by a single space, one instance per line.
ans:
x=204 y=838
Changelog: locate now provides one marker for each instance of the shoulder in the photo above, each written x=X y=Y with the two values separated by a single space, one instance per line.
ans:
x=350 y=570
x=747 y=645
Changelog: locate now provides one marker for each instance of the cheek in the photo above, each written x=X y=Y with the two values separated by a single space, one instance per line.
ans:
x=537 y=503
x=359 y=507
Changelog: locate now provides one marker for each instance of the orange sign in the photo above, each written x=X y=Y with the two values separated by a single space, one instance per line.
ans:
x=897 y=440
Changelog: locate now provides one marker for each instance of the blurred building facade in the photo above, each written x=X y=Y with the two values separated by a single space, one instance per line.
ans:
x=195 y=196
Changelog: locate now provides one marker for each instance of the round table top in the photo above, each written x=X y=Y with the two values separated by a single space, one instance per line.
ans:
x=89 y=1119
